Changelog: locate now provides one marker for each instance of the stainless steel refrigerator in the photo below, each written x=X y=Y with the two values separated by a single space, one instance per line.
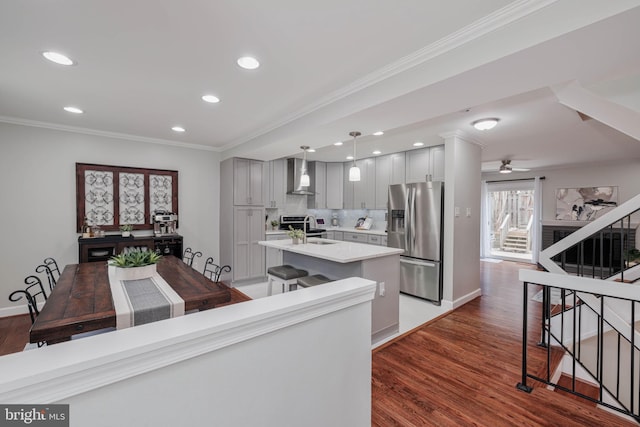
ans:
x=415 y=225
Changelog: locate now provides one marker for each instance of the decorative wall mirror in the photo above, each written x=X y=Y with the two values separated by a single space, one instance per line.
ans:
x=111 y=196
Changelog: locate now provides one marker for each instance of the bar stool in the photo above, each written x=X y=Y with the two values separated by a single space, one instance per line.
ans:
x=316 y=279
x=284 y=274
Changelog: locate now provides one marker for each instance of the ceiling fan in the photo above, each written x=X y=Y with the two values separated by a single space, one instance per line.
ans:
x=507 y=168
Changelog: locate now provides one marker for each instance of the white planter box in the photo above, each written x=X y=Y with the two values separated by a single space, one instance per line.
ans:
x=135 y=273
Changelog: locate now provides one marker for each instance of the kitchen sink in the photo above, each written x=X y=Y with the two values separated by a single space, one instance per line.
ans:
x=320 y=242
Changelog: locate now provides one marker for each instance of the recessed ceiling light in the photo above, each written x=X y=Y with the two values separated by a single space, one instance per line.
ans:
x=74 y=110
x=418 y=144
x=178 y=129
x=211 y=99
x=337 y=144
x=248 y=62
x=349 y=157
x=485 y=124
x=378 y=133
x=58 y=58
x=377 y=152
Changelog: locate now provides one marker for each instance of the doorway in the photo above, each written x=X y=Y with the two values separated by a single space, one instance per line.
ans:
x=510 y=220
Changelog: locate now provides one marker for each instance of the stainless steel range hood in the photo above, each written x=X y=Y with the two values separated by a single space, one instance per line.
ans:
x=295 y=169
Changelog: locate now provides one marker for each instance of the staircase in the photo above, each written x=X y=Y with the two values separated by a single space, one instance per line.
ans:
x=516 y=241
x=595 y=318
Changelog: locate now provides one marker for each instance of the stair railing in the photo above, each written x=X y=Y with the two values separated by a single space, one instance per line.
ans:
x=566 y=321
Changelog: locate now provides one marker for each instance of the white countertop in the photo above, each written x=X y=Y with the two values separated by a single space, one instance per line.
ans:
x=345 y=229
x=337 y=251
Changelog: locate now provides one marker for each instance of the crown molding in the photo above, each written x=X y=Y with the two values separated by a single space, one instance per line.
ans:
x=483 y=26
x=94 y=132
x=462 y=135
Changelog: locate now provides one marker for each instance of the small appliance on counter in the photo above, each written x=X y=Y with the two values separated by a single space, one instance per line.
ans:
x=334 y=220
x=164 y=223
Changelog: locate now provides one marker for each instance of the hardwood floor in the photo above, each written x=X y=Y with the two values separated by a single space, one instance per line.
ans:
x=462 y=369
x=458 y=370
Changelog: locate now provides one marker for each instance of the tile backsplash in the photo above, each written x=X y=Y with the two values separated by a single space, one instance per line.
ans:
x=346 y=217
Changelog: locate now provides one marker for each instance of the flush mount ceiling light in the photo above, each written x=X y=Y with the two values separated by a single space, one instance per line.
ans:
x=485 y=124
x=418 y=144
x=304 y=177
x=376 y=152
x=212 y=99
x=58 y=58
x=354 y=171
x=178 y=129
x=378 y=133
x=349 y=157
x=248 y=62
x=337 y=144
x=74 y=110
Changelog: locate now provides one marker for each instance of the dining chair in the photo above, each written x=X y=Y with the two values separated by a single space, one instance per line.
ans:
x=189 y=256
x=53 y=266
x=32 y=294
x=212 y=271
x=44 y=268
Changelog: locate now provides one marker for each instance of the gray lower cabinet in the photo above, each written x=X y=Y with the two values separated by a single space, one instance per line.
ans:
x=374 y=239
x=334 y=235
x=355 y=237
x=248 y=255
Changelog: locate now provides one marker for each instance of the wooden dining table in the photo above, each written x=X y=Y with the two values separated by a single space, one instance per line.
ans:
x=81 y=300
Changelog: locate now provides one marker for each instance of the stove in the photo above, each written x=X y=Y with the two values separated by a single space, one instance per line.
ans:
x=297 y=223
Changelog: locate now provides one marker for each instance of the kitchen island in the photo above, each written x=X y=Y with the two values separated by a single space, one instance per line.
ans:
x=340 y=260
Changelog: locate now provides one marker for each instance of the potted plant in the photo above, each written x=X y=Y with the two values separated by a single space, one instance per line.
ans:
x=274 y=224
x=134 y=264
x=295 y=234
x=126 y=230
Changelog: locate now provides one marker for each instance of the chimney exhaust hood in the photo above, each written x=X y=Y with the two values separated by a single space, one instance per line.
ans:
x=295 y=169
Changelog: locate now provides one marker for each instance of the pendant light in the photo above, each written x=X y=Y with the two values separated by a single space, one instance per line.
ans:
x=305 y=181
x=354 y=171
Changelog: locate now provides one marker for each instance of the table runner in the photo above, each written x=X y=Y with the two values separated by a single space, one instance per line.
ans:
x=143 y=300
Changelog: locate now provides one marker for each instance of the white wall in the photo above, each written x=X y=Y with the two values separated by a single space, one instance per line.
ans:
x=38 y=190
x=296 y=359
x=461 y=259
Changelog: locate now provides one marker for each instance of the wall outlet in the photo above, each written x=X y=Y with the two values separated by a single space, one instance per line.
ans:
x=381 y=289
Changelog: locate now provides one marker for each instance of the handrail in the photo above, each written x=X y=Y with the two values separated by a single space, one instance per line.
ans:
x=503 y=235
x=565 y=328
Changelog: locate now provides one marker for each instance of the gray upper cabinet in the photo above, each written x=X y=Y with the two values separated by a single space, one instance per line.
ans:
x=390 y=169
x=425 y=162
x=437 y=163
x=318 y=175
x=347 y=186
x=247 y=182
x=364 y=191
x=275 y=183
x=418 y=165
x=334 y=185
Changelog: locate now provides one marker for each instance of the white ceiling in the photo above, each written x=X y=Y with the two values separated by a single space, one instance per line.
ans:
x=412 y=68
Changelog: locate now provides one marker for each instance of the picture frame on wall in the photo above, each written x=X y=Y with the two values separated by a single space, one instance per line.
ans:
x=585 y=203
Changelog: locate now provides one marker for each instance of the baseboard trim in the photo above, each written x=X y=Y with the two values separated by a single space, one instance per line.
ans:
x=452 y=305
x=14 y=311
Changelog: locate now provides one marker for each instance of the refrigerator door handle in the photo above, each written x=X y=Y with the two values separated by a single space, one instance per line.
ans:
x=421 y=263
x=413 y=219
x=407 y=222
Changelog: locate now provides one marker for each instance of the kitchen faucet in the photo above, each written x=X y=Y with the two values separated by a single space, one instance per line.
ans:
x=304 y=227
